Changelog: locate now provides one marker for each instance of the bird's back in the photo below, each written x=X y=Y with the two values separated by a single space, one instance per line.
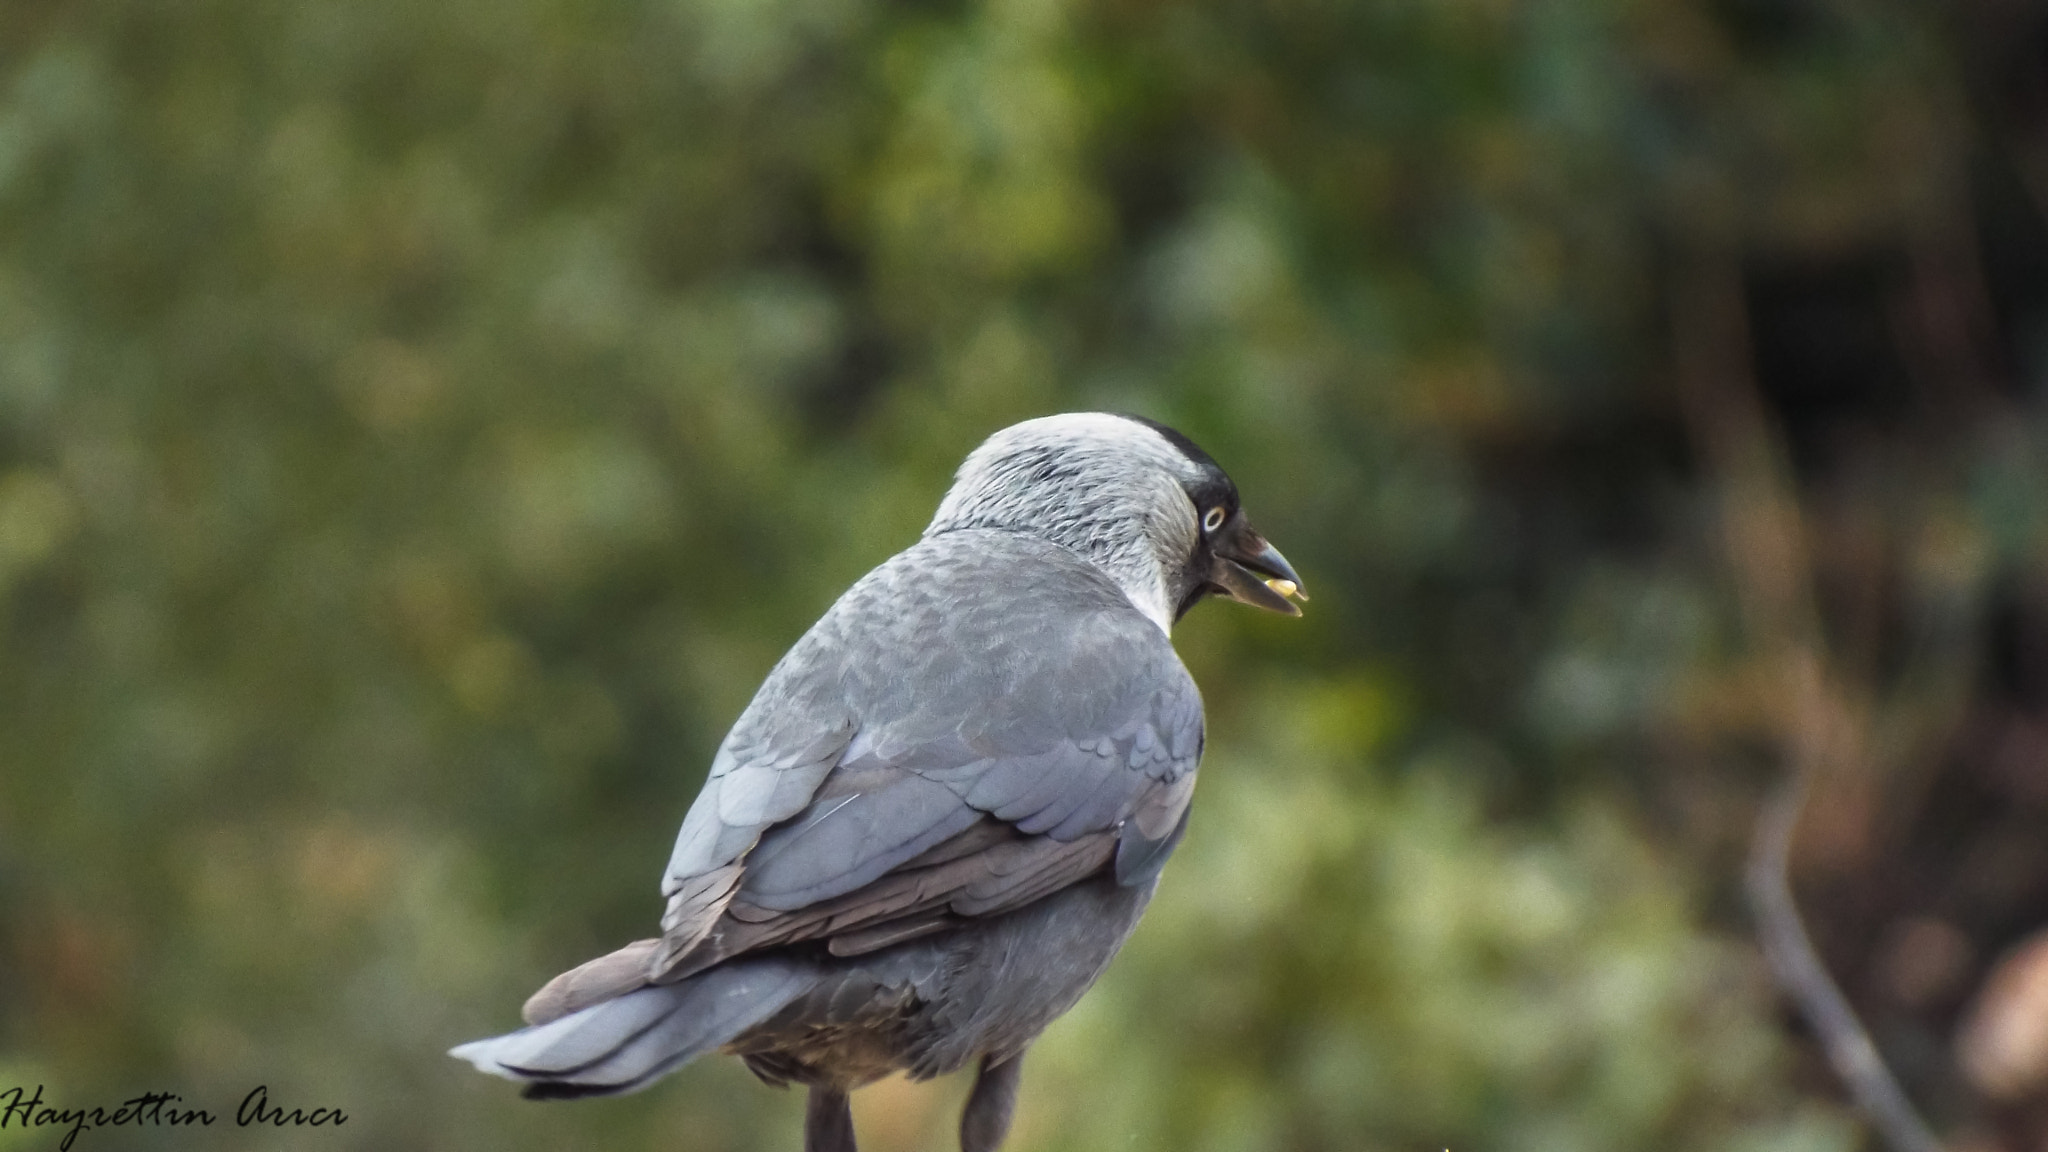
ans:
x=970 y=654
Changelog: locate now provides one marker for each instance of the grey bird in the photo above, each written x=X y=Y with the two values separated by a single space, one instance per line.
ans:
x=948 y=804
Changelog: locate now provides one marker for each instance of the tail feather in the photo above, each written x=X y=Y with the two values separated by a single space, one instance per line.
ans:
x=605 y=978
x=623 y=1044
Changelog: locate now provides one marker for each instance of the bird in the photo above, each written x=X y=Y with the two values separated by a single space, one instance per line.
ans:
x=946 y=806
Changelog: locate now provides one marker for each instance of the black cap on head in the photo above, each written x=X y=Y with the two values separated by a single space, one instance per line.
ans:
x=1215 y=487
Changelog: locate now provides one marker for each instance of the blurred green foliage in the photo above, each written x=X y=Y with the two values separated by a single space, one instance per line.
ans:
x=422 y=424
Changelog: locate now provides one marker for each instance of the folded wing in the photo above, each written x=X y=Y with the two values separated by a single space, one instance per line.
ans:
x=1037 y=736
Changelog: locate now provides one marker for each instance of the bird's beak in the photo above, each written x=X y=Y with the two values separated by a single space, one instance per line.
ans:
x=1251 y=571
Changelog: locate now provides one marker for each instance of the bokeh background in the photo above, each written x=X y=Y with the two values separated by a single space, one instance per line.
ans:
x=422 y=423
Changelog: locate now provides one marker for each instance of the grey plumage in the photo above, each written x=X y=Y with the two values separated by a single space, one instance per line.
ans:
x=946 y=806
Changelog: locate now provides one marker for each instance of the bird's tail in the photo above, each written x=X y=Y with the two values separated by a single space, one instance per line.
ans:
x=623 y=1042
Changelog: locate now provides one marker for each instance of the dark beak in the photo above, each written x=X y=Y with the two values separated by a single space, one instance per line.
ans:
x=1251 y=571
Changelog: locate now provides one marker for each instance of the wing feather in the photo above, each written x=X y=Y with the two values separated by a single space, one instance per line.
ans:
x=947 y=742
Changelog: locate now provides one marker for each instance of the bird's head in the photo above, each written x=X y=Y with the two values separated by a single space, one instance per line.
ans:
x=1139 y=499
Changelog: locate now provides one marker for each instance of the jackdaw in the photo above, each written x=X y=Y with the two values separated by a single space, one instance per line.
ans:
x=947 y=805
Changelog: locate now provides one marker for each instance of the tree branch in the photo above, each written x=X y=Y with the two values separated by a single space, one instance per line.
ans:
x=1764 y=538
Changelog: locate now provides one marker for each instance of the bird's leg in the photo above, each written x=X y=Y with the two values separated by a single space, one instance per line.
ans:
x=828 y=1121
x=986 y=1119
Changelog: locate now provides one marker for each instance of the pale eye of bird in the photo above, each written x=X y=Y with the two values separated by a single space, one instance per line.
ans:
x=1213 y=520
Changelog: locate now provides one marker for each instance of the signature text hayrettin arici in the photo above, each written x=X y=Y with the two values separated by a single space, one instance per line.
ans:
x=22 y=1107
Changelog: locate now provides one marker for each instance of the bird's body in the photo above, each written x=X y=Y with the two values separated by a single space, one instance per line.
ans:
x=947 y=805
x=936 y=1005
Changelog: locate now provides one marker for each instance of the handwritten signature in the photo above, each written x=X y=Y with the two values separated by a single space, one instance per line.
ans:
x=19 y=1107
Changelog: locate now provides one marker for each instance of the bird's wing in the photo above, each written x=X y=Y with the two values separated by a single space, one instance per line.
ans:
x=964 y=743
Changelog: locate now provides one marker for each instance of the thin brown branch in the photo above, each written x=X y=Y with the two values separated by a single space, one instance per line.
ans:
x=1796 y=964
x=1765 y=542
